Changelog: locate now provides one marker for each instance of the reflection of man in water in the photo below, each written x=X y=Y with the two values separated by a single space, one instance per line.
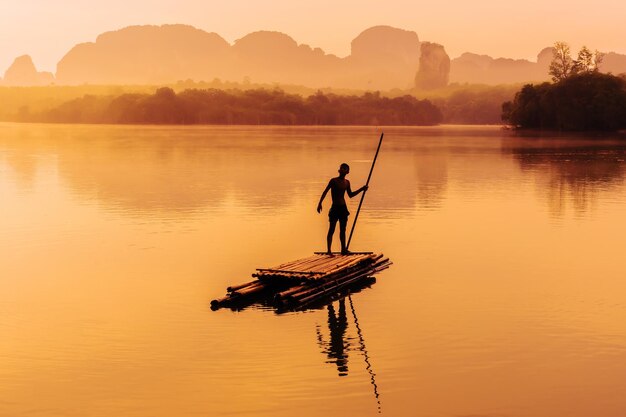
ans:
x=337 y=348
x=338 y=211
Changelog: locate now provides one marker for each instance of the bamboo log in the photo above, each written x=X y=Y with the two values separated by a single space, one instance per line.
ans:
x=310 y=266
x=292 y=290
x=311 y=298
x=346 y=269
x=330 y=284
x=339 y=253
x=383 y=267
x=290 y=265
x=295 y=297
x=335 y=285
x=284 y=276
x=305 y=266
x=303 y=290
x=218 y=301
x=351 y=260
x=344 y=272
x=312 y=286
x=240 y=286
x=347 y=263
x=325 y=271
x=270 y=270
x=346 y=259
x=329 y=266
x=311 y=258
x=329 y=291
x=297 y=261
x=320 y=260
x=283 y=296
x=249 y=290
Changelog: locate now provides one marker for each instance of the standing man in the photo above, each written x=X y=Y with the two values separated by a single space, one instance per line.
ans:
x=339 y=211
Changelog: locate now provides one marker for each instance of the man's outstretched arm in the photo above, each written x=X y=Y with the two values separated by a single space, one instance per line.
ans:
x=355 y=193
x=319 y=205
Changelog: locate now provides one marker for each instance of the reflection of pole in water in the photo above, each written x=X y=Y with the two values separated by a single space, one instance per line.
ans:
x=365 y=355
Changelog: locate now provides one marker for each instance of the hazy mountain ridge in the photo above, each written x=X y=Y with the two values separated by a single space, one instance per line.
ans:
x=382 y=58
x=483 y=69
x=144 y=55
x=23 y=72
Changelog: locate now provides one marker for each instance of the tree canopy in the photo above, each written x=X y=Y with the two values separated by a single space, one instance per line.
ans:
x=564 y=66
x=580 y=97
x=251 y=107
x=584 y=101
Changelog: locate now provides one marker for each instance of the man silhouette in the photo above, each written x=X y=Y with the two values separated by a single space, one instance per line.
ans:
x=338 y=211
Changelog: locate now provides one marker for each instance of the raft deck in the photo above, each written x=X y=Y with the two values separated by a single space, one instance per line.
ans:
x=296 y=284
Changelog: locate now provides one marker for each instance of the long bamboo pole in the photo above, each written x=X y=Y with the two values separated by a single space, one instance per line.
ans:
x=356 y=217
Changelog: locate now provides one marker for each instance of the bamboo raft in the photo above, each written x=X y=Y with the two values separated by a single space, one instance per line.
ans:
x=297 y=284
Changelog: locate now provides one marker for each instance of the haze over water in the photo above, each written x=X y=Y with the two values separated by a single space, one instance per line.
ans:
x=506 y=297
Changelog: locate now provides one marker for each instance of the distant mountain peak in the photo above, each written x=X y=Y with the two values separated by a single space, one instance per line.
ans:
x=22 y=72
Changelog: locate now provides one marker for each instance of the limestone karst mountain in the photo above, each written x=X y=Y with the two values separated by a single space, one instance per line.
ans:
x=23 y=72
x=434 y=67
x=381 y=58
x=483 y=69
x=146 y=55
x=270 y=57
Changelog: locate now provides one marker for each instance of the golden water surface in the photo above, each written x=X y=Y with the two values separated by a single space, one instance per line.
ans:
x=507 y=296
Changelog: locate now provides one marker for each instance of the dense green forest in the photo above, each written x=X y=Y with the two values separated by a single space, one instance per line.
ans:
x=248 y=107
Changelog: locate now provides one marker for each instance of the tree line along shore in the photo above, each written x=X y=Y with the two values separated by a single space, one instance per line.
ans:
x=240 y=107
x=455 y=104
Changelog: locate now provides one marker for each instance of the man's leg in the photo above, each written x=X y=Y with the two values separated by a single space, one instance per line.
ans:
x=342 y=234
x=331 y=232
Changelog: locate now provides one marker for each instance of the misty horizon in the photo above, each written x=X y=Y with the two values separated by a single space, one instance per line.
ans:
x=494 y=31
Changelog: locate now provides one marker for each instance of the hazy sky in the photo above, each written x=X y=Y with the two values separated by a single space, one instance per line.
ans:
x=47 y=29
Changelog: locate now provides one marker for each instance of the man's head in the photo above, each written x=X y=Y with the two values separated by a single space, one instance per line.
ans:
x=344 y=169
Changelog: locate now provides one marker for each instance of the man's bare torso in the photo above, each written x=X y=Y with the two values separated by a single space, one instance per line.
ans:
x=338 y=187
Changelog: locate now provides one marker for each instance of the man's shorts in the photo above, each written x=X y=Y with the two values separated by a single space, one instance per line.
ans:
x=338 y=212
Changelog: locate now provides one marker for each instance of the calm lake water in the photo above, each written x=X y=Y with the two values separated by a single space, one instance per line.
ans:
x=507 y=296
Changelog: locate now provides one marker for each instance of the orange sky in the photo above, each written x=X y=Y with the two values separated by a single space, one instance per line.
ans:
x=47 y=29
